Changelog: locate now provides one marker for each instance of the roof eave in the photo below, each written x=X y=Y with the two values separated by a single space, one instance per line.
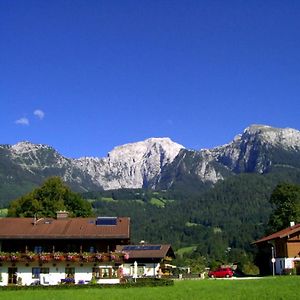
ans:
x=43 y=237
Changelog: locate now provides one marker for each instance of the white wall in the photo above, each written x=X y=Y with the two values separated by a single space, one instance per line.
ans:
x=4 y=275
x=56 y=273
x=83 y=273
x=284 y=263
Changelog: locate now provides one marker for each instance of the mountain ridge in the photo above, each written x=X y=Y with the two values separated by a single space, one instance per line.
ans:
x=156 y=163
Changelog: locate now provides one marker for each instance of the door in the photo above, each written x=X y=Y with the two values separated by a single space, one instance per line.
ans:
x=297 y=267
x=12 y=275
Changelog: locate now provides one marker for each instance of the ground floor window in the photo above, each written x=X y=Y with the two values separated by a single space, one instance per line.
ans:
x=102 y=273
x=12 y=275
x=140 y=271
x=70 y=272
x=96 y=273
x=37 y=271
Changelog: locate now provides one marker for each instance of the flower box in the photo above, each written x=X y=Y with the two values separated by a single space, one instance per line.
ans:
x=30 y=257
x=15 y=256
x=72 y=257
x=105 y=258
x=3 y=257
x=98 y=257
x=87 y=257
x=59 y=257
x=44 y=257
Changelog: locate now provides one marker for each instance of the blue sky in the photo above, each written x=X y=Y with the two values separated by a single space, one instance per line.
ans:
x=86 y=76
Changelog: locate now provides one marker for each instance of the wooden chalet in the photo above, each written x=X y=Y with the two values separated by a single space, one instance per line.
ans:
x=52 y=251
x=283 y=247
x=147 y=259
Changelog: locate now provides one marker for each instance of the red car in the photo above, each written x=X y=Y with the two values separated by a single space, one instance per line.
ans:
x=221 y=273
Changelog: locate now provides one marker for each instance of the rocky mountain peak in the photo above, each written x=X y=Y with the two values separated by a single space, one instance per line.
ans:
x=158 y=162
x=257 y=128
x=250 y=151
x=287 y=138
x=25 y=147
x=145 y=148
x=131 y=165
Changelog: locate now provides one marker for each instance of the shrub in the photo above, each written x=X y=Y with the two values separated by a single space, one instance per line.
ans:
x=140 y=282
x=291 y=271
x=250 y=269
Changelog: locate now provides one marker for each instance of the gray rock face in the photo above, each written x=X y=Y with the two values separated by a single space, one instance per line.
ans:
x=128 y=166
x=155 y=162
x=131 y=165
x=258 y=149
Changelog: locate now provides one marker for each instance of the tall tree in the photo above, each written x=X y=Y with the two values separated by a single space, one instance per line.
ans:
x=46 y=200
x=286 y=200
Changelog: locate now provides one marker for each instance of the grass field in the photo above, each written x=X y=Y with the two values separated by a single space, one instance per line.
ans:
x=3 y=212
x=186 y=250
x=285 y=287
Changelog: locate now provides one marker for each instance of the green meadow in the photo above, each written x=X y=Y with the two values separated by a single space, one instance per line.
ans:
x=285 y=287
x=3 y=212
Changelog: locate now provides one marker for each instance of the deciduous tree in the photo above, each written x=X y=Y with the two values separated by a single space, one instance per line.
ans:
x=45 y=201
x=286 y=201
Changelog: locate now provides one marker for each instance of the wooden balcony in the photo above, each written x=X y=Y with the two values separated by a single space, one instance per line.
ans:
x=45 y=257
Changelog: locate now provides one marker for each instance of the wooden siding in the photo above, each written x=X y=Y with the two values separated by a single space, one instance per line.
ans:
x=293 y=248
x=280 y=248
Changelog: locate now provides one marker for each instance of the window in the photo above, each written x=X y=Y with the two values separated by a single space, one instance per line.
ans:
x=38 y=249
x=70 y=272
x=37 y=271
x=96 y=273
x=12 y=275
x=105 y=272
x=99 y=273
x=140 y=271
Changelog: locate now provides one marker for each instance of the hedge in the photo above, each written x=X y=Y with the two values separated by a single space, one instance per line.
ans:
x=141 y=282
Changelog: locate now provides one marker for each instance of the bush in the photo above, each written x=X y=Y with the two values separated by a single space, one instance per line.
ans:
x=140 y=282
x=291 y=271
x=250 y=269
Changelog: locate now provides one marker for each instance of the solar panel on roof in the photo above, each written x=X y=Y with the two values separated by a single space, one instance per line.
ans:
x=146 y=247
x=106 y=221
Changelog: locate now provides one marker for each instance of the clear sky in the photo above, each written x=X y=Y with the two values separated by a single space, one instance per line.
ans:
x=87 y=75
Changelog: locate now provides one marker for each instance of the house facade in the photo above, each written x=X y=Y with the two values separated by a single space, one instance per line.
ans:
x=281 y=250
x=59 y=250
x=146 y=260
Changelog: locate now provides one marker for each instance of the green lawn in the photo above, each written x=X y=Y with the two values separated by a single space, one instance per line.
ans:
x=186 y=250
x=3 y=212
x=266 y=288
x=157 y=202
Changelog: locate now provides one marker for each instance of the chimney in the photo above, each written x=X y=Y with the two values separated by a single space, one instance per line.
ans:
x=62 y=215
x=292 y=223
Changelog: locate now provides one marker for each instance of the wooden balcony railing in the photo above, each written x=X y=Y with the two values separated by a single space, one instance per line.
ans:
x=63 y=256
